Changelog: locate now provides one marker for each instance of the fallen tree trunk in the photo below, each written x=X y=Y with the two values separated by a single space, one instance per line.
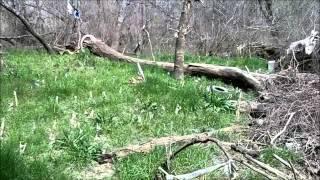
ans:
x=233 y=75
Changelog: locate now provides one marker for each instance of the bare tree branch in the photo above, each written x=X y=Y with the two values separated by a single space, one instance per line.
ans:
x=27 y=25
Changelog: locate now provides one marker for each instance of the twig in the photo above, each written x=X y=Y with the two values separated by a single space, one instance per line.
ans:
x=168 y=153
x=267 y=167
x=294 y=171
x=2 y=129
x=247 y=68
x=15 y=98
x=289 y=165
x=283 y=130
x=150 y=44
x=238 y=107
x=281 y=160
x=22 y=147
x=141 y=71
x=256 y=169
x=194 y=174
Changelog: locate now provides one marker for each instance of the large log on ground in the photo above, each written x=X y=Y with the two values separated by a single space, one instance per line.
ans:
x=233 y=75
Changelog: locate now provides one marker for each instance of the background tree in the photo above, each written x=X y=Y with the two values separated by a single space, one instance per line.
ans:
x=181 y=40
x=27 y=25
x=120 y=19
x=217 y=28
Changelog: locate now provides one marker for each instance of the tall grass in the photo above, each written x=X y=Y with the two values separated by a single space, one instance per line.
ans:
x=13 y=165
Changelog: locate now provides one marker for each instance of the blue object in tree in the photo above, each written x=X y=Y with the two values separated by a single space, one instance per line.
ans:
x=76 y=13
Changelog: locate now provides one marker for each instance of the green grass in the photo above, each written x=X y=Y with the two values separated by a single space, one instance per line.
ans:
x=71 y=107
x=288 y=155
x=191 y=159
x=15 y=166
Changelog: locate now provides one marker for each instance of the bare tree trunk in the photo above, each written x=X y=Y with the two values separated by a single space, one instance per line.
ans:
x=181 y=40
x=29 y=28
x=266 y=9
x=120 y=20
x=138 y=49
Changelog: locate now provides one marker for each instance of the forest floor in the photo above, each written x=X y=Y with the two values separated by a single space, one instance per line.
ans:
x=59 y=112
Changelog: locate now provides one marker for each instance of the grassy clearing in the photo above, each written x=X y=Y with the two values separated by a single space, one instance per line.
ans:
x=71 y=107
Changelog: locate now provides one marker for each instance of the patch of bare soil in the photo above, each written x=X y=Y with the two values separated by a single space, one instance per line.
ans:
x=292 y=118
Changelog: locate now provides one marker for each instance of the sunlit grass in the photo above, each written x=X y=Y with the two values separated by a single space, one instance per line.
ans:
x=71 y=107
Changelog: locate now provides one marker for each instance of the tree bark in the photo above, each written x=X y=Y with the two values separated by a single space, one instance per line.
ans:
x=181 y=40
x=29 y=28
x=120 y=20
x=266 y=9
x=233 y=75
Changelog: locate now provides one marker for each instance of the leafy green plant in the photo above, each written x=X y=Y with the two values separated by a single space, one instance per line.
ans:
x=79 y=144
x=218 y=102
x=85 y=58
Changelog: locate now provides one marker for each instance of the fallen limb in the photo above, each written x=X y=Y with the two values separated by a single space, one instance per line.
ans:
x=283 y=130
x=256 y=169
x=267 y=167
x=289 y=165
x=243 y=150
x=234 y=75
x=163 y=141
x=149 y=146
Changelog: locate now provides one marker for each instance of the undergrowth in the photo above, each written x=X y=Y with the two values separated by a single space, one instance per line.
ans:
x=72 y=107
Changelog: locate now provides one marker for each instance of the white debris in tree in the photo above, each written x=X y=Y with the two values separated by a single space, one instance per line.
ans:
x=240 y=48
x=69 y=8
x=308 y=44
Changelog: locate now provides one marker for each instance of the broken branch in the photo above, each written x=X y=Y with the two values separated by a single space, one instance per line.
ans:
x=267 y=167
x=255 y=169
x=283 y=130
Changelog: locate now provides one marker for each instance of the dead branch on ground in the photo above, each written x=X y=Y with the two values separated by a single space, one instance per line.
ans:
x=283 y=130
x=163 y=141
